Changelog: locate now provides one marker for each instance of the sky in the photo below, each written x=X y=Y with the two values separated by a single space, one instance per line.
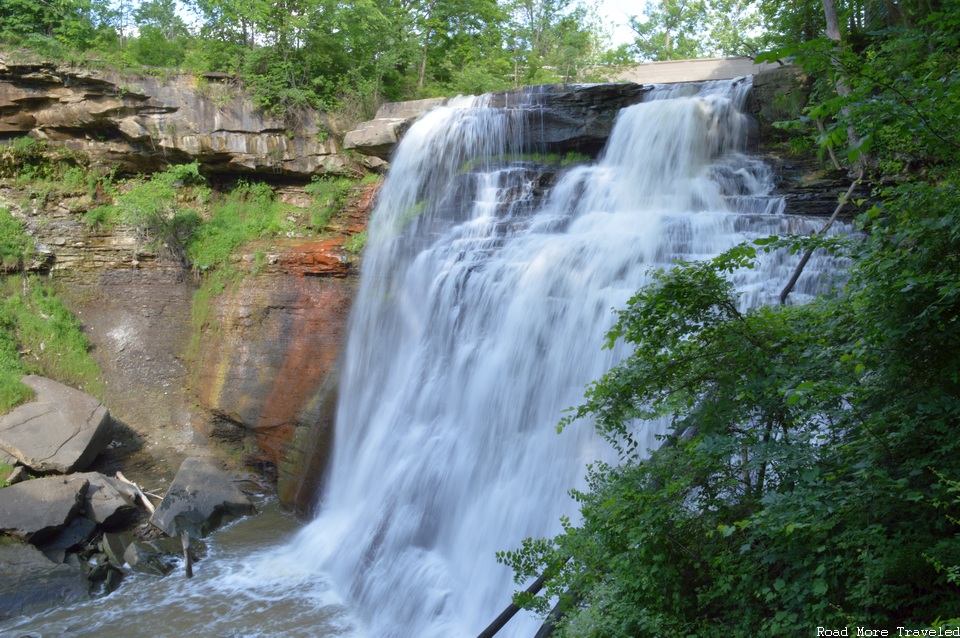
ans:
x=615 y=14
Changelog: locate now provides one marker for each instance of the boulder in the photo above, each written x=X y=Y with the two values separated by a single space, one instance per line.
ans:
x=148 y=558
x=378 y=136
x=18 y=474
x=38 y=510
x=62 y=430
x=74 y=536
x=110 y=503
x=200 y=499
x=114 y=546
x=30 y=582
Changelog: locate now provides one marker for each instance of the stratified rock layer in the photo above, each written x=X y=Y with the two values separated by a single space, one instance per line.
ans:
x=143 y=123
x=556 y=118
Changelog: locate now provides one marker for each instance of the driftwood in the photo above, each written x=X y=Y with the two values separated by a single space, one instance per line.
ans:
x=806 y=256
x=143 y=497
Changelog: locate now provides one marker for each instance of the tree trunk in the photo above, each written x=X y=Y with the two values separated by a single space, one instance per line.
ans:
x=843 y=89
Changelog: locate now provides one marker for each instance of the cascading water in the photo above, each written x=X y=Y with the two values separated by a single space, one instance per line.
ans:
x=486 y=290
x=480 y=317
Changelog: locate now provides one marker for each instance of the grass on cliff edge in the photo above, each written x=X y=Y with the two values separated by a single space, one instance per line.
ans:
x=39 y=335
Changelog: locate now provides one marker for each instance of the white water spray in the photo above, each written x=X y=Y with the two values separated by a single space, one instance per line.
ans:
x=480 y=317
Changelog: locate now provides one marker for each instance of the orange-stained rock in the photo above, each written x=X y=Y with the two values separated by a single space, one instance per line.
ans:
x=268 y=355
x=316 y=257
x=268 y=347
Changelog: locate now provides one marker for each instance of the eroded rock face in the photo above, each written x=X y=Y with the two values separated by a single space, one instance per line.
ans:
x=279 y=338
x=143 y=123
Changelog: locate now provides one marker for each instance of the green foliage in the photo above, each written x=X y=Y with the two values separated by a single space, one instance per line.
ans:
x=355 y=243
x=100 y=217
x=22 y=155
x=248 y=212
x=903 y=89
x=162 y=210
x=15 y=245
x=810 y=477
x=329 y=196
x=39 y=335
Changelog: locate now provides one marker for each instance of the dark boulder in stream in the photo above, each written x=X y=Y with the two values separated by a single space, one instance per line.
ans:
x=200 y=499
x=30 y=582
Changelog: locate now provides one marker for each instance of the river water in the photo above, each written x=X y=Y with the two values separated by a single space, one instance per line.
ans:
x=486 y=290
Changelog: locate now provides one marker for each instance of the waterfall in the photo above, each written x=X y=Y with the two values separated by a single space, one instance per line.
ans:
x=486 y=290
x=488 y=283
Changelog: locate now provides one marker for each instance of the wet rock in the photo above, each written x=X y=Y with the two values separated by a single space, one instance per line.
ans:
x=561 y=118
x=114 y=546
x=30 y=582
x=110 y=503
x=779 y=94
x=74 y=536
x=62 y=430
x=148 y=558
x=200 y=499
x=38 y=510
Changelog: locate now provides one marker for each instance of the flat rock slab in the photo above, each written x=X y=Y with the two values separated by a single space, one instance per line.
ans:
x=38 y=510
x=200 y=499
x=61 y=431
x=30 y=582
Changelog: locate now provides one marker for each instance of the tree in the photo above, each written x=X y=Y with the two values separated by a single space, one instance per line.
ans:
x=671 y=30
x=163 y=34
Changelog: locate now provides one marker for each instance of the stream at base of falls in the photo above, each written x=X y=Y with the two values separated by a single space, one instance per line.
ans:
x=488 y=283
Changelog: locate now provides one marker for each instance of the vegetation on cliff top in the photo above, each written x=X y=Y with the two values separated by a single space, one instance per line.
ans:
x=352 y=56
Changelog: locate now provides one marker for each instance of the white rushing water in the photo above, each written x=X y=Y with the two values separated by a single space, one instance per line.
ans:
x=486 y=292
x=480 y=317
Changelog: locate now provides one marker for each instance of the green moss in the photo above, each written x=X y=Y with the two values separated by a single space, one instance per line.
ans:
x=355 y=243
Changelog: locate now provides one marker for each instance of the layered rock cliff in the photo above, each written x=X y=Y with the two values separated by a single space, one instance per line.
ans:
x=145 y=122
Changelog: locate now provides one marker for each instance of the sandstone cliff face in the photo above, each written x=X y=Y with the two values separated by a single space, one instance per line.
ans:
x=143 y=123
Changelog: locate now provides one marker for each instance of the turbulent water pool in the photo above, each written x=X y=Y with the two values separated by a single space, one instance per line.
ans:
x=244 y=586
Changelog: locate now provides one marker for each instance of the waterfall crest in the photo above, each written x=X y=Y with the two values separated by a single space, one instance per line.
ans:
x=487 y=287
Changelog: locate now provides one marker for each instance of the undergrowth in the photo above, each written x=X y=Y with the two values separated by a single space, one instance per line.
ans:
x=39 y=335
